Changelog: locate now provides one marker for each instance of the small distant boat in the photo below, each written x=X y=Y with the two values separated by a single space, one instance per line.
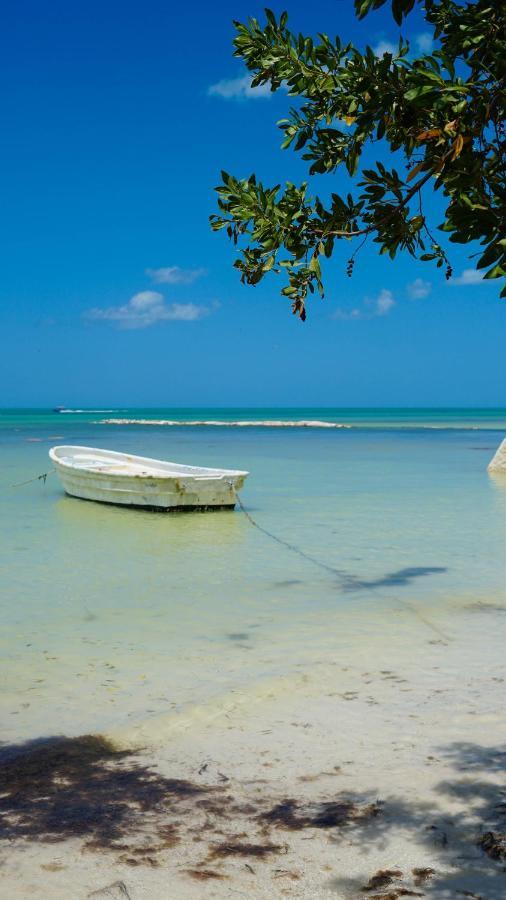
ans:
x=120 y=478
x=58 y=408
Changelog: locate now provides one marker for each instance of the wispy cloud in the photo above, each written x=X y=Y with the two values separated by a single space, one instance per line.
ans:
x=418 y=289
x=383 y=303
x=238 y=89
x=385 y=47
x=469 y=276
x=371 y=309
x=423 y=41
x=174 y=275
x=145 y=309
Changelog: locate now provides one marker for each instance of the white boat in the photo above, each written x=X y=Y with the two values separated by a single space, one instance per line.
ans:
x=120 y=478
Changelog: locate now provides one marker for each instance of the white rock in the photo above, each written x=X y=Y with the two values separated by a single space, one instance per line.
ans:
x=498 y=463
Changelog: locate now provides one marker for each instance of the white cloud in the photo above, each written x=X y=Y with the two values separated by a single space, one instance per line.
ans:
x=238 y=89
x=372 y=309
x=349 y=315
x=424 y=41
x=469 y=276
x=418 y=289
x=385 y=47
x=145 y=309
x=174 y=275
x=383 y=303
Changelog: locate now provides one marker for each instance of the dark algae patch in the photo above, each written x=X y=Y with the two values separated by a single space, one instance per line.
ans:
x=392 y=879
x=494 y=845
x=421 y=876
x=382 y=878
x=204 y=874
x=395 y=894
x=293 y=815
x=236 y=848
x=80 y=787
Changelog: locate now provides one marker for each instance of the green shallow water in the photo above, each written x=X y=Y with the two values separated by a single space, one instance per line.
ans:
x=110 y=616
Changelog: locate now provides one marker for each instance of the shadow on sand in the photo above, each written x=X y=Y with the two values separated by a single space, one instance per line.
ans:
x=55 y=788
x=83 y=787
x=468 y=847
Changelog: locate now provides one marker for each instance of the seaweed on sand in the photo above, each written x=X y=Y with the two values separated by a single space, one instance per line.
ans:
x=294 y=816
x=388 y=878
x=421 y=875
x=79 y=787
x=395 y=894
x=494 y=844
x=237 y=848
x=204 y=874
x=382 y=878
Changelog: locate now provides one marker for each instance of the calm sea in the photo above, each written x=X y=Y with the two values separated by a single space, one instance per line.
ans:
x=111 y=616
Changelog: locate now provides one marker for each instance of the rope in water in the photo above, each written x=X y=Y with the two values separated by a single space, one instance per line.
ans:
x=344 y=576
x=31 y=480
x=339 y=572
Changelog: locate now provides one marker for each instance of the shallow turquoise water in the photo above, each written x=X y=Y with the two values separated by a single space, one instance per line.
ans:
x=110 y=615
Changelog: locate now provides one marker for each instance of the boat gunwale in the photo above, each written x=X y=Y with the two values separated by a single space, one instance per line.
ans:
x=196 y=472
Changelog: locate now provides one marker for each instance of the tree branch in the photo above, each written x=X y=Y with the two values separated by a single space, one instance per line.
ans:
x=411 y=193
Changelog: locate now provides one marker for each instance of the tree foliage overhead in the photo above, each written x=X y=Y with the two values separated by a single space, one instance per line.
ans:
x=439 y=116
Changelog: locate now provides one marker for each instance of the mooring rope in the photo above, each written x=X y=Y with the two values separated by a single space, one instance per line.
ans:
x=31 y=480
x=340 y=573
x=344 y=576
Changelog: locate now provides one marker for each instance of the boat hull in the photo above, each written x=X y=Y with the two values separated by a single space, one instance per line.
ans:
x=149 y=495
x=181 y=491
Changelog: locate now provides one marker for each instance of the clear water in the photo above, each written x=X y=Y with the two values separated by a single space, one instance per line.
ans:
x=112 y=616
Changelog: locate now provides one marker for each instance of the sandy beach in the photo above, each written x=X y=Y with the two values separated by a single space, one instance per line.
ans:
x=374 y=774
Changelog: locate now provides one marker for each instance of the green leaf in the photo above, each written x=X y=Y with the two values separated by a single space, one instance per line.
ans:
x=314 y=266
x=491 y=254
x=397 y=11
x=497 y=272
x=417 y=92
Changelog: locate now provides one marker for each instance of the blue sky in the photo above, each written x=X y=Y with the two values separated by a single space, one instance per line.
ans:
x=116 y=120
